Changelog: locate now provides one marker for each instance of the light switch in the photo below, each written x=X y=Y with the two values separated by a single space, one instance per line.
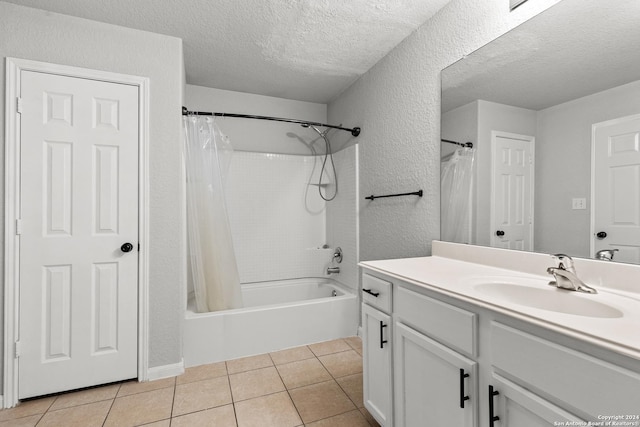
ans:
x=579 y=203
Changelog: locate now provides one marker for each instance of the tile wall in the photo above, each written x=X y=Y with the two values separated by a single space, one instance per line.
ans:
x=279 y=222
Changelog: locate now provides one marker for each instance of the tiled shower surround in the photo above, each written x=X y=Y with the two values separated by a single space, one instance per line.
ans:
x=279 y=222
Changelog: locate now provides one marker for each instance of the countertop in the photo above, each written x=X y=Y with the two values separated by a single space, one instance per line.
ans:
x=464 y=281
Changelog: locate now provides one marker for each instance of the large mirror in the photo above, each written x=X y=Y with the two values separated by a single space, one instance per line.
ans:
x=552 y=109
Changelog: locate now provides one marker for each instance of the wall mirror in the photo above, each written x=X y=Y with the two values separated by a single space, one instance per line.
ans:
x=553 y=111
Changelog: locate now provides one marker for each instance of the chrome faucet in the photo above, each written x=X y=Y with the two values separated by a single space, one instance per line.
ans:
x=333 y=270
x=606 y=254
x=566 y=277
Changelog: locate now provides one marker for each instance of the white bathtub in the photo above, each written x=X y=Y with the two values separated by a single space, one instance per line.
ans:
x=277 y=315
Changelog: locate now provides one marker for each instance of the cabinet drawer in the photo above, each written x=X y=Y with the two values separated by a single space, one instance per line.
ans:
x=376 y=292
x=448 y=324
x=577 y=379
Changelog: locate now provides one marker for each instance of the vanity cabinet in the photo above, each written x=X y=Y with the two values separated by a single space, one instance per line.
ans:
x=459 y=364
x=434 y=379
x=376 y=347
x=514 y=406
x=434 y=385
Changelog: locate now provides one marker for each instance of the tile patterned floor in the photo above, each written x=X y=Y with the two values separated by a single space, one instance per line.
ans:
x=319 y=385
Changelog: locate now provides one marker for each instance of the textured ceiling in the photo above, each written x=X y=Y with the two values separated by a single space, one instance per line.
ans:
x=309 y=50
x=574 y=49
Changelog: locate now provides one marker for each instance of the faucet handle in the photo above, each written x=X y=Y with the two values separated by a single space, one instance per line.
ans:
x=564 y=261
x=606 y=254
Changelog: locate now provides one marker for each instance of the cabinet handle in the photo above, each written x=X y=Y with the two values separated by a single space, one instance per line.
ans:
x=375 y=294
x=462 y=396
x=382 y=340
x=492 y=418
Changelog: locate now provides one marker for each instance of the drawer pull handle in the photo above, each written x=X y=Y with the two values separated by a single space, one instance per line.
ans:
x=462 y=395
x=382 y=340
x=492 y=418
x=370 y=292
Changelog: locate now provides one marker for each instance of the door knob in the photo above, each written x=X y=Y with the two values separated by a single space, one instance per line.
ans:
x=500 y=233
x=127 y=247
x=601 y=235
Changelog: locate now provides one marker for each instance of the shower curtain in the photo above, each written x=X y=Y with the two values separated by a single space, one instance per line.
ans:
x=214 y=270
x=456 y=181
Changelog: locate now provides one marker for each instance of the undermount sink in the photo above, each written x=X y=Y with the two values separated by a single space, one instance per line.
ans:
x=545 y=297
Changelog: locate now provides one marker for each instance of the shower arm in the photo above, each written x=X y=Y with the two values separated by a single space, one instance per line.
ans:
x=354 y=131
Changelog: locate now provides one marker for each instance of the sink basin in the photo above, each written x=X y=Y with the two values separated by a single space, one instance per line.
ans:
x=545 y=297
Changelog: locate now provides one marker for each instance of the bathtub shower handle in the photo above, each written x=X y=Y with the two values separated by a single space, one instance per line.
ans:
x=382 y=340
x=370 y=292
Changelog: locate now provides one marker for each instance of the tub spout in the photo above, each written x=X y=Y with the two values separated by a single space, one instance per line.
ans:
x=333 y=270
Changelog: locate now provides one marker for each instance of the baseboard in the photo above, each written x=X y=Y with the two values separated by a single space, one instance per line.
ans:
x=166 y=371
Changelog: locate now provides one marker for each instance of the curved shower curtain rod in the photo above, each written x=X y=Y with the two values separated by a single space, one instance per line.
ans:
x=355 y=131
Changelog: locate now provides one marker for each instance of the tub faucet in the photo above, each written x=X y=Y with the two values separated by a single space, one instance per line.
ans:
x=606 y=254
x=566 y=277
x=333 y=270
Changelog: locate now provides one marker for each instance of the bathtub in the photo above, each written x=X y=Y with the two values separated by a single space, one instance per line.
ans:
x=277 y=315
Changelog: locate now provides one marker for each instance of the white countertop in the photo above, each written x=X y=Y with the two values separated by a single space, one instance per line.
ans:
x=459 y=279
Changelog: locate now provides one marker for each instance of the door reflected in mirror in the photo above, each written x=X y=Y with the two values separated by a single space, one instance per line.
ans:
x=553 y=111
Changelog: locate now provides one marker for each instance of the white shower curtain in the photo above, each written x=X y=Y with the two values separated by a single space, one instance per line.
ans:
x=214 y=270
x=456 y=180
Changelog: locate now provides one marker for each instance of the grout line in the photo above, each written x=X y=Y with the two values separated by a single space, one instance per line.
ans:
x=173 y=400
x=287 y=390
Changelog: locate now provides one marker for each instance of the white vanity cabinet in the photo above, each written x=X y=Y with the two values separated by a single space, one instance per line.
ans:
x=376 y=347
x=457 y=363
x=435 y=377
x=581 y=387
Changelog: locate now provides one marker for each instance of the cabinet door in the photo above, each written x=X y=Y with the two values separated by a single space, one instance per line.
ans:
x=377 y=386
x=428 y=386
x=518 y=407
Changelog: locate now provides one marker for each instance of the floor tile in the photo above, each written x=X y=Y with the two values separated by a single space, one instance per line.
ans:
x=249 y=363
x=317 y=401
x=259 y=382
x=303 y=372
x=30 y=421
x=199 y=395
x=291 y=355
x=25 y=409
x=372 y=421
x=355 y=343
x=163 y=423
x=342 y=364
x=223 y=416
x=89 y=415
x=82 y=397
x=274 y=410
x=141 y=408
x=352 y=385
x=203 y=372
x=349 y=419
x=135 y=387
x=328 y=347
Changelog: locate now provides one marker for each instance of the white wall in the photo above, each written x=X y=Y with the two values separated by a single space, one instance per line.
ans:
x=397 y=104
x=260 y=135
x=563 y=166
x=342 y=216
x=43 y=36
x=277 y=218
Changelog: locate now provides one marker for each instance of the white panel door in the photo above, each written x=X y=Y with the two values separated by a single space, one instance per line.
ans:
x=79 y=205
x=434 y=385
x=616 y=188
x=512 y=191
x=376 y=367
